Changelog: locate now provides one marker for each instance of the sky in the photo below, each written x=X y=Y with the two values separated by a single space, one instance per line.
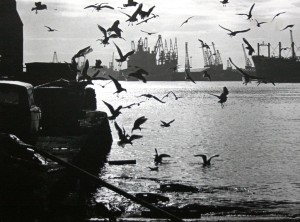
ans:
x=77 y=28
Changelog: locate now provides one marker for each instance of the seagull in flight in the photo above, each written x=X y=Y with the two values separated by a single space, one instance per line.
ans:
x=130 y=3
x=259 y=23
x=166 y=124
x=149 y=33
x=133 y=18
x=99 y=7
x=248 y=47
x=82 y=52
x=249 y=15
x=186 y=21
x=106 y=36
x=146 y=20
x=222 y=97
x=118 y=85
x=123 y=57
x=114 y=112
x=159 y=157
x=245 y=76
x=188 y=77
x=288 y=26
x=115 y=28
x=277 y=15
x=171 y=92
x=224 y=2
x=124 y=138
x=138 y=122
x=39 y=6
x=233 y=33
x=151 y=96
x=144 y=14
x=50 y=29
x=206 y=162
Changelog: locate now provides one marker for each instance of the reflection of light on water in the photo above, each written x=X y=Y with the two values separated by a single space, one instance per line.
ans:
x=253 y=134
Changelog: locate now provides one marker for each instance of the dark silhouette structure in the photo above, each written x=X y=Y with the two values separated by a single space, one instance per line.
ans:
x=11 y=39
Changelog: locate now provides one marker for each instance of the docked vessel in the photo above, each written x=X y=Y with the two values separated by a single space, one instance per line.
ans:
x=278 y=68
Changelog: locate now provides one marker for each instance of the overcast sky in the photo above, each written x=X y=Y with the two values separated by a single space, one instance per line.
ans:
x=77 y=27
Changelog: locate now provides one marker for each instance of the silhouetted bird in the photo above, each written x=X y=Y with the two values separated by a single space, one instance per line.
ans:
x=123 y=57
x=83 y=75
x=159 y=157
x=118 y=85
x=288 y=26
x=186 y=21
x=222 y=97
x=224 y=2
x=277 y=15
x=249 y=47
x=265 y=82
x=233 y=33
x=149 y=33
x=206 y=75
x=259 y=23
x=245 y=76
x=133 y=17
x=146 y=20
x=166 y=124
x=39 y=6
x=151 y=96
x=82 y=52
x=50 y=29
x=206 y=162
x=171 y=92
x=249 y=15
x=129 y=106
x=188 y=77
x=145 y=14
x=106 y=37
x=114 y=112
x=99 y=7
x=138 y=122
x=124 y=138
x=130 y=3
x=115 y=28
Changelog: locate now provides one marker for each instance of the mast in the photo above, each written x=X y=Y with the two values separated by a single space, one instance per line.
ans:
x=187 y=61
x=292 y=45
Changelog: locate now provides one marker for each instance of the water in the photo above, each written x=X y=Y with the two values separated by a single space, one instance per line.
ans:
x=256 y=135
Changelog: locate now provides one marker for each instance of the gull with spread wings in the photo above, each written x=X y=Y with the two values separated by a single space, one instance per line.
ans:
x=223 y=97
x=206 y=161
x=233 y=33
x=249 y=15
x=186 y=21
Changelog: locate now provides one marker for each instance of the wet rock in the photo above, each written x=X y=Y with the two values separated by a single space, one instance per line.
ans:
x=174 y=187
x=152 y=197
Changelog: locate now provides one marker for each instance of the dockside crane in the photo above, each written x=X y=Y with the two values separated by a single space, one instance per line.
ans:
x=247 y=60
x=187 y=59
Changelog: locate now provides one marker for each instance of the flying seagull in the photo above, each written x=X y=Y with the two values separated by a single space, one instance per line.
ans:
x=123 y=57
x=106 y=36
x=138 y=122
x=115 y=28
x=99 y=7
x=233 y=33
x=50 y=29
x=249 y=47
x=158 y=157
x=222 y=97
x=39 y=6
x=288 y=26
x=82 y=52
x=133 y=18
x=118 y=85
x=124 y=138
x=259 y=23
x=151 y=96
x=277 y=15
x=171 y=92
x=114 y=112
x=224 y=2
x=149 y=33
x=130 y=3
x=166 y=124
x=186 y=21
x=144 y=14
x=249 y=15
x=206 y=162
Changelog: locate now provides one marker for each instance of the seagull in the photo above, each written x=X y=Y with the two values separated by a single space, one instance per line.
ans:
x=82 y=52
x=259 y=23
x=233 y=33
x=133 y=18
x=222 y=97
x=138 y=122
x=130 y=3
x=158 y=158
x=246 y=77
x=124 y=138
x=277 y=15
x=168 y=124
x=186 y=21
x=99 y=7
x=123 y=57
x=118 y=85
x=249 y=15
x=146 y=20
x=249 y=47
x=144 y=14
x=288 y=26
x=167 y=95
x=151 y=96
x=106 y=37
x=188 y=77
x=115 y=28
x=224 y=2
x=149 y=33
x=206 y=162
x=50 y=29
x=114 y=112
x=206 y=75
x=39 y=6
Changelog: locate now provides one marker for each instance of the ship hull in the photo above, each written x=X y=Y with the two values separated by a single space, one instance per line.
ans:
x=277 y=69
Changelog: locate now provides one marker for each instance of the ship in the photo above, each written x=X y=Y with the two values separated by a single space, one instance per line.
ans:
x=278 y=68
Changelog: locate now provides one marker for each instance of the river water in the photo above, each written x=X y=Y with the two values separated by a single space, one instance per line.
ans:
x=256 y=135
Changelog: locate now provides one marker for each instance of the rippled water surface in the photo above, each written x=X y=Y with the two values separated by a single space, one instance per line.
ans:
x=256 y=134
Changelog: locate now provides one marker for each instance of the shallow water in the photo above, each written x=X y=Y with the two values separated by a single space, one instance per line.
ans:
x=256 y=135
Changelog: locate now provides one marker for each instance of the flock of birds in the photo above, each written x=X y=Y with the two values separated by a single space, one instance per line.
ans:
x=114 y=32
